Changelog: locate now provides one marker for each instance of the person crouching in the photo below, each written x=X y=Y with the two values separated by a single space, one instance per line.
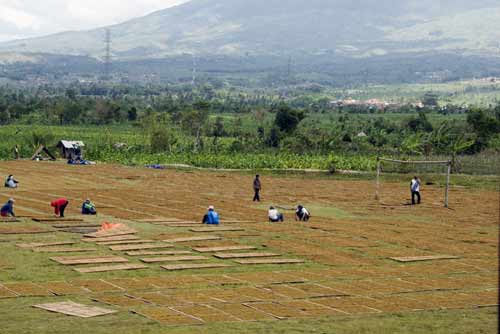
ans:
x=274 y=215
x=11 y=182
x=212 y=217
x=88 y=208
x=59 y=206
x=301 y=214
x=8 y=209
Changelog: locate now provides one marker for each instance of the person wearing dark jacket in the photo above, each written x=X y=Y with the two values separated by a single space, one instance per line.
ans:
x=88 y=208
x=59 y=206
x=8 y=209
x=257 y=186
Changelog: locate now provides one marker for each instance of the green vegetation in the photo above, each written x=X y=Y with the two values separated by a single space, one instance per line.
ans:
x=215 y=128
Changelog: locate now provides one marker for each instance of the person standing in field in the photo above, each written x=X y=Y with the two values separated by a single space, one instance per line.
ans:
x=415 y=190
x=8 y=209
x=257 y=186
x=59 y=205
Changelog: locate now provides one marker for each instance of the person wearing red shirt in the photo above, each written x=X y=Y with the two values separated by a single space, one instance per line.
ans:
x=59 y=206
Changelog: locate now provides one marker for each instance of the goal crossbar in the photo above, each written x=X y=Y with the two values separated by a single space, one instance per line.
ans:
x=416 y=162
x=448 y=163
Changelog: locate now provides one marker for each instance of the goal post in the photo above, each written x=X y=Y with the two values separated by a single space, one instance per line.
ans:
x=447 y=163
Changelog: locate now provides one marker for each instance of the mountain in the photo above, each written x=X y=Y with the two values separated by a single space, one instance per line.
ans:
x=344 y=28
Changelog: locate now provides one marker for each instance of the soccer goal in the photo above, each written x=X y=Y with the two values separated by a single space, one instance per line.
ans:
x=406 y=164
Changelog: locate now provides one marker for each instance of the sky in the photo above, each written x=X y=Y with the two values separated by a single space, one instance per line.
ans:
x=33 y=18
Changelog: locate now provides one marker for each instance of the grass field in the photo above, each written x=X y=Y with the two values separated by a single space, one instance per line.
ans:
x=346 y=284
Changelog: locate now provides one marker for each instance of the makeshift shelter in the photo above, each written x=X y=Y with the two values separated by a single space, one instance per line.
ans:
x=38 y=154
x=71 y=149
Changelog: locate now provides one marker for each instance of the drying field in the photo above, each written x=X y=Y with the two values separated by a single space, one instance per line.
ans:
x=333 y=274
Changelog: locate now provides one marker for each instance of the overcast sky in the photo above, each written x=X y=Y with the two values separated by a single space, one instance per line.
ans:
x=30 y=18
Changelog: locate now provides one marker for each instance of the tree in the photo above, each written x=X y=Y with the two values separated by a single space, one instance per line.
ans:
x=194 y=121
x=287 y=119
x=132 y=114
x=274 y=137
x=420 y=123
x=218 y=130
x=484 y=125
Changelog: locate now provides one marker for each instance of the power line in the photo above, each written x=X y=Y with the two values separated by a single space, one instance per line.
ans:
x=107 y=57
x=193 y=81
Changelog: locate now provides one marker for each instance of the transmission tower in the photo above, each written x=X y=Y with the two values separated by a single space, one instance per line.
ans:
x=107 y=57
x=289 y=68
x=193 y=81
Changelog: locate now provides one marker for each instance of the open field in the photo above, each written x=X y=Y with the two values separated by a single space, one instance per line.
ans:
x=345 y=281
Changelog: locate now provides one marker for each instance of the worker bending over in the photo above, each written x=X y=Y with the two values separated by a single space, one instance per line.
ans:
x=59 y=205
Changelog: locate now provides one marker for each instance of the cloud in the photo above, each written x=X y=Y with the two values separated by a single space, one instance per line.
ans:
x=29 y=18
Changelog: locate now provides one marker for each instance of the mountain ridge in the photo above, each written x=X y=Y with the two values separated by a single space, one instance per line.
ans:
x=356 y=28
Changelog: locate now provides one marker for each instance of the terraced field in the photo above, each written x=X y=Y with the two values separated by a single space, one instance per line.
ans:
x=332 y=271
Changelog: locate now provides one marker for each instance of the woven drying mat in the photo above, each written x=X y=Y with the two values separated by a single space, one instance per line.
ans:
x=112 y=233
x=54 y=219
x=23 y=230
x=74 y=309
x=195 y=266
x=62 y=250
x=172 y=259
x=243 y=255
x=76 y=225
x=139 y=247
x=182 y=222
x=39 y=244
x=118 y=267
x=217 y=229
x=199 y=238
x=116 y=238
x=157 y=219
x=80 y=230
x=144 y=253
x=222 y=248
x=167 y=316
x=270 y=261
x=72 y=260
x=123 y=242
x=178 y=224
x=424 y=258
x=9 y=220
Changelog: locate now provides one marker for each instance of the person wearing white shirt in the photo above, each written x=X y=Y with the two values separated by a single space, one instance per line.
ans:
x=274 y=215
x=11 y=182
x=415 y=190
x=301 y=214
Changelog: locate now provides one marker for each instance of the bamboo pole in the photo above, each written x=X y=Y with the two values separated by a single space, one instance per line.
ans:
x=377 y=191
x=446 y=195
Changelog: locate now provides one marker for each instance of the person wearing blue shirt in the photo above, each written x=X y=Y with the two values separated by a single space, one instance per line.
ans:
x=212 y=217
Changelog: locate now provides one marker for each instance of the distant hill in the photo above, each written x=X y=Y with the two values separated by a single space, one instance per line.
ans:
x=346 y=28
